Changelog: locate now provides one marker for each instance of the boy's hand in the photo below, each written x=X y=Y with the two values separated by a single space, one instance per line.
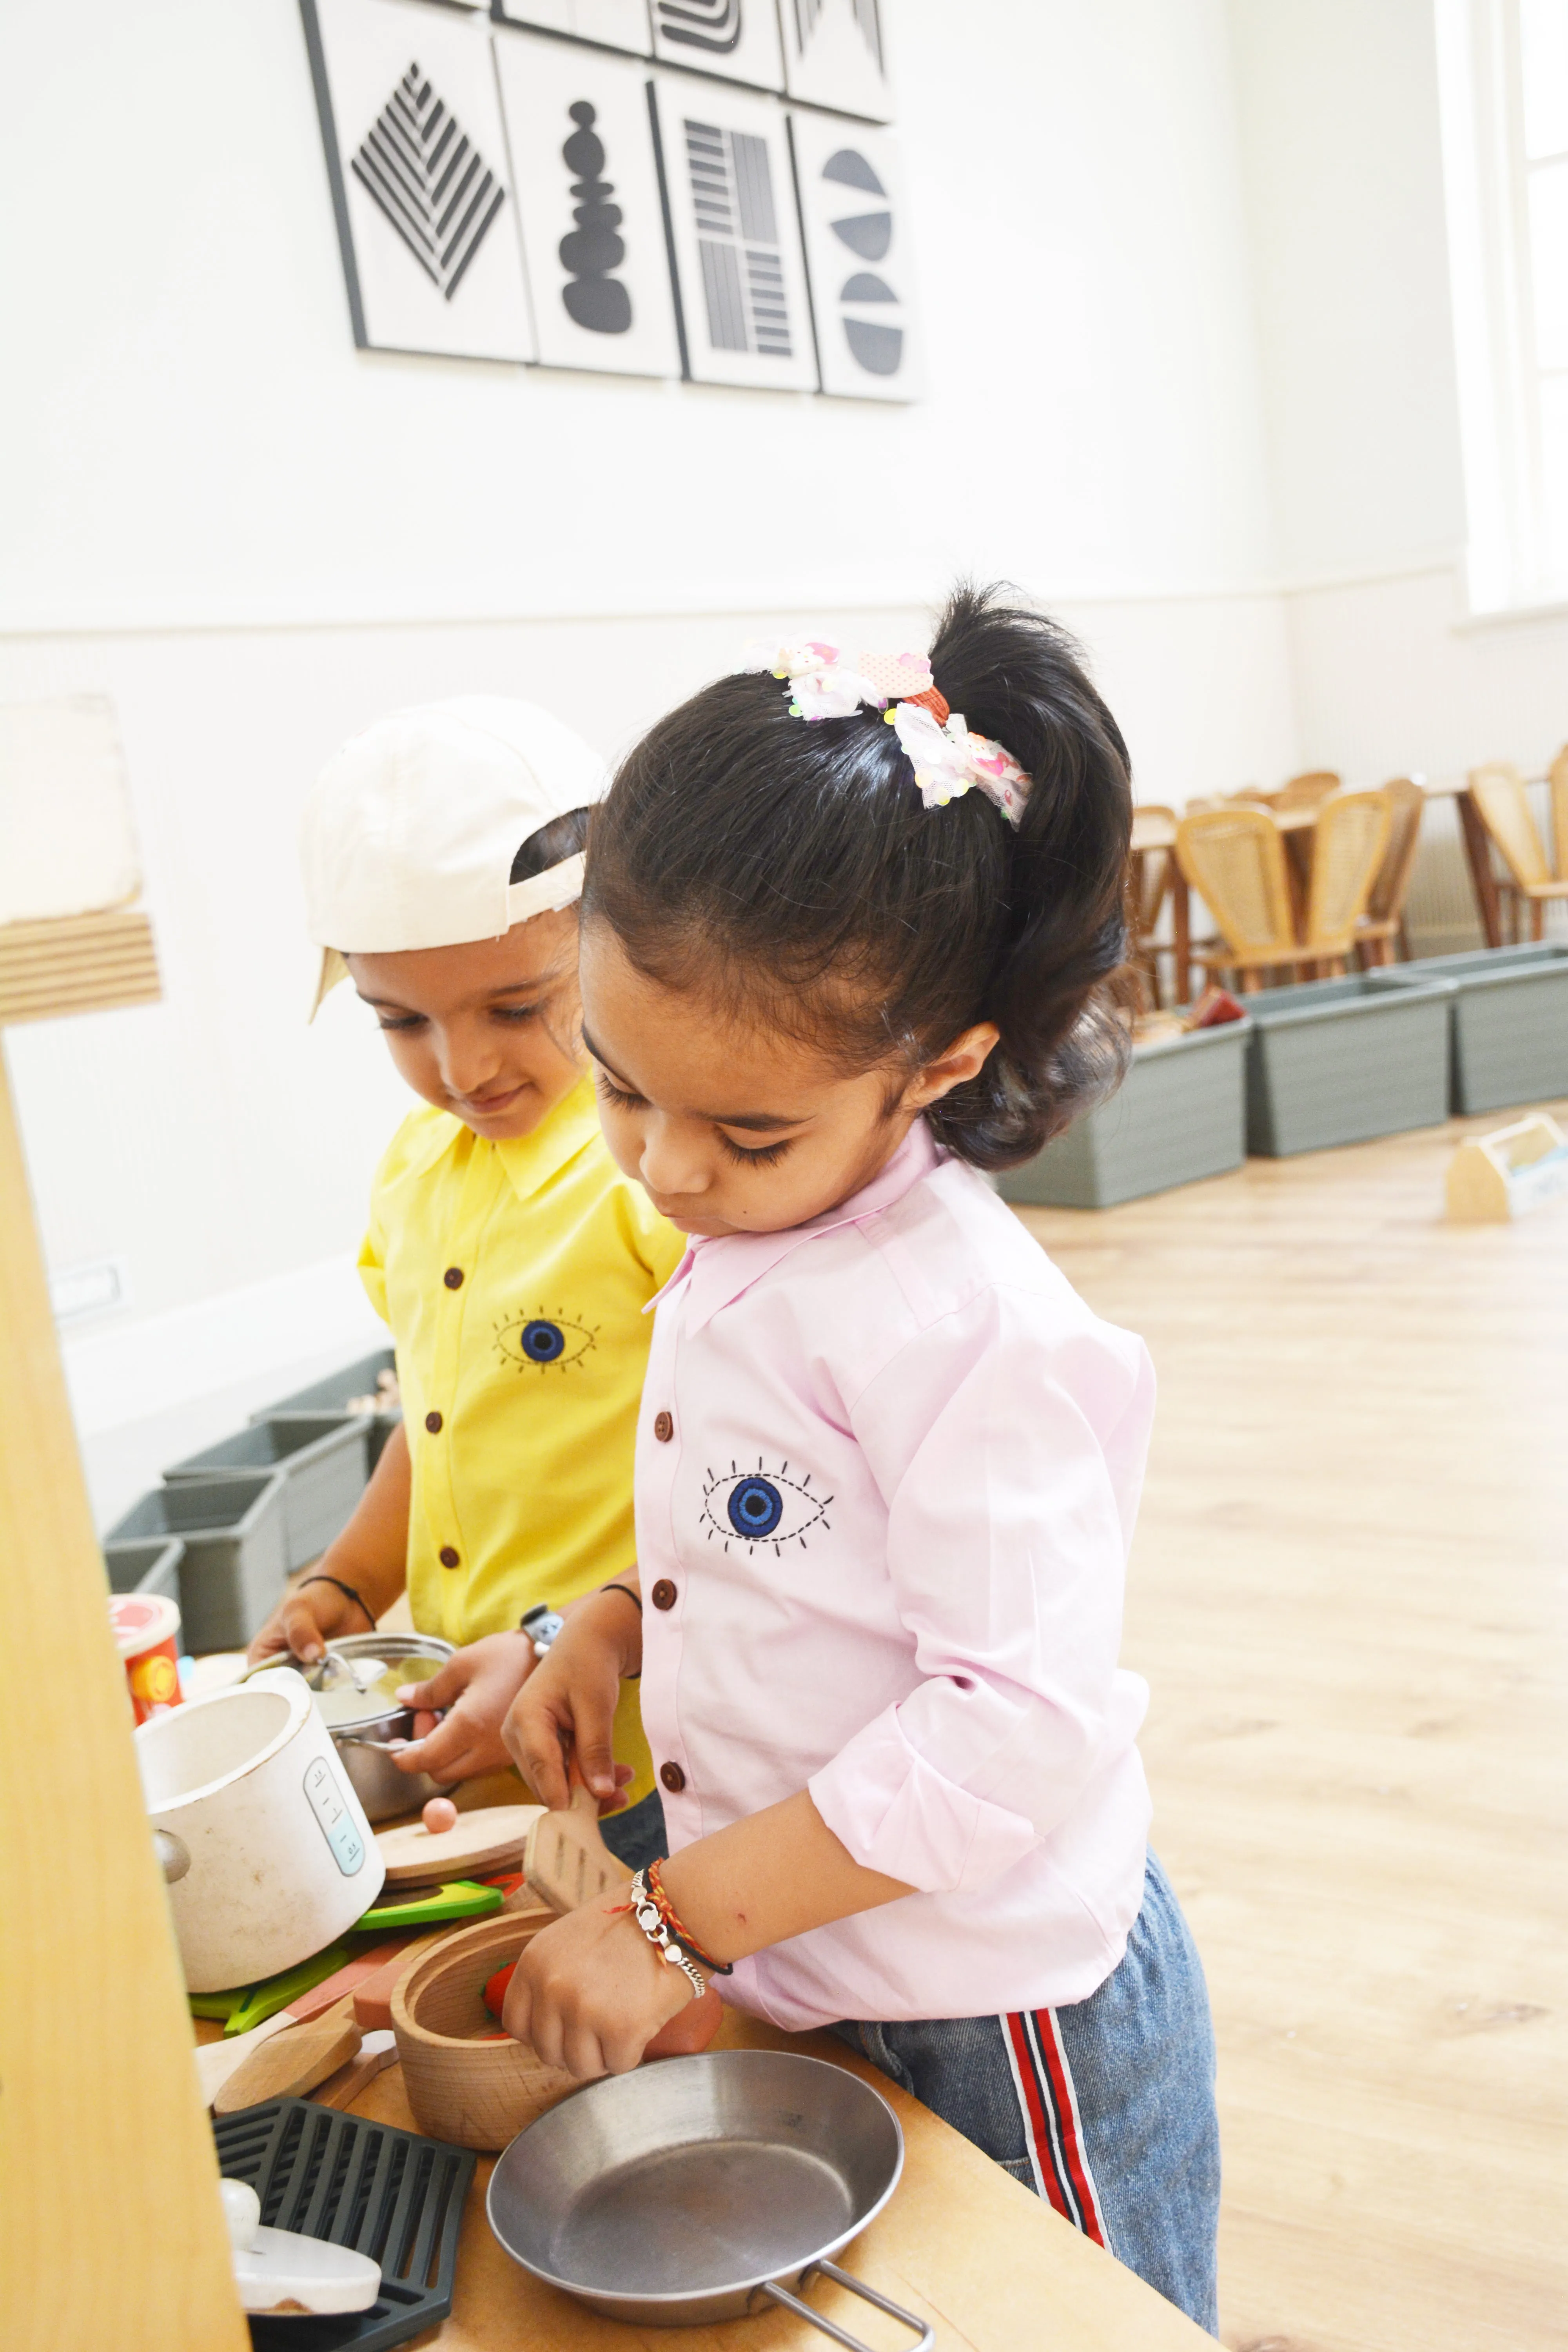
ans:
x=474 y=1689
x=567 y=1707
x=590 y=1992
x=305 y=1621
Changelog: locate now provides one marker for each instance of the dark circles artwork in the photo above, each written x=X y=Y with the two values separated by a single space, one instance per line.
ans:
x=877 y=347
x=593 y=298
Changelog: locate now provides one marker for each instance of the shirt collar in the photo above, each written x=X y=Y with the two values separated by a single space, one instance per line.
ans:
x=530 y=1160
x=722 y=1266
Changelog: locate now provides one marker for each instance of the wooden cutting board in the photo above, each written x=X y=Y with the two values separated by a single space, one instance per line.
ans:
x=482 y=1840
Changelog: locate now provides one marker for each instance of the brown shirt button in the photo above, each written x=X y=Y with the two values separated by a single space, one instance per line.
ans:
x=674 y=1779
x=663 y=1427
x=663 y=1595
x=449 y=1559
x=453 y=1277
x=433 y=1423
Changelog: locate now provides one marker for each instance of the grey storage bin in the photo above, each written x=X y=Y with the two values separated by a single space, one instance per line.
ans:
x=1340 y=1061
x=145 y=1564
x=327 y=1401
x=1510 y=1019
x=1178 y=1115
x=324 y=1470
x=232 y=1575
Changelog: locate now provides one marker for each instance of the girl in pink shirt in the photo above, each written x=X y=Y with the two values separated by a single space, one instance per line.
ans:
x=842 y=952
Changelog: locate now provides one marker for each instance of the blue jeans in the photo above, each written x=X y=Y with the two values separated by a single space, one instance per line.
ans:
x=637 y=1837
x=1105 y=2107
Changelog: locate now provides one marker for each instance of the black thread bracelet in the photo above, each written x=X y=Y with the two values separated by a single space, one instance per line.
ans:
x=635 y=1598
x=348 y=1591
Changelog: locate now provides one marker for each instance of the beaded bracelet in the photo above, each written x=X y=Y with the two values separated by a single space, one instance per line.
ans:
x=646 y=1914
x=677 y=1928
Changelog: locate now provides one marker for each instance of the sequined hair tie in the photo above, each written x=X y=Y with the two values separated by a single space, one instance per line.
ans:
x=948 y=760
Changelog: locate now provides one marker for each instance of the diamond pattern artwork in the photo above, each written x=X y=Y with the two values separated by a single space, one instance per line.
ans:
x=421 y=180
x=430 y=179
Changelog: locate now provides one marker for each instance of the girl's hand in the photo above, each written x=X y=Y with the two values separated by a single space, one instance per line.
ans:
x=566 y=1710
x=474 y=1688
x=305 y=1621
x=590 y=1992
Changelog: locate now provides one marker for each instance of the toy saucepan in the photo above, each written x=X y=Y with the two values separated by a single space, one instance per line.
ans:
x=686 y=2192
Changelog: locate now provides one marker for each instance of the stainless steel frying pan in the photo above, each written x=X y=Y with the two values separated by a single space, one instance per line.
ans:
x=687 y=2191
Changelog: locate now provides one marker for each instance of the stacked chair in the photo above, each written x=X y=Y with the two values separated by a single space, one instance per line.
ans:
x=1234 y=857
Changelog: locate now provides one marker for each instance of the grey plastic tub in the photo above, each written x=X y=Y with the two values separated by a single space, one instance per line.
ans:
x=1510 y=1016
x=323 y=1470
x=232 y=1574
x=327 y=1401
x=1340 y=1061
x=1178 y=1115
x=145 y=1564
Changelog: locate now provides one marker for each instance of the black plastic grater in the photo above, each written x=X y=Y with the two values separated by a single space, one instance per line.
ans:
x=386 y=2193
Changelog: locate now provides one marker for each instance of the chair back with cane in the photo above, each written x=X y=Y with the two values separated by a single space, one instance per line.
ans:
x=1382 y=925
x=1300 y=791
x=1499 y=792
x=1352 y=835
x=1557 y=777
x=1234 y=859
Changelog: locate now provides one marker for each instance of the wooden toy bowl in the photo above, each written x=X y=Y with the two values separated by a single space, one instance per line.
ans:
x=462 y=2086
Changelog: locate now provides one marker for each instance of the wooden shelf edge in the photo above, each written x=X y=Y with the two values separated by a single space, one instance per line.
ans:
x=81 y=963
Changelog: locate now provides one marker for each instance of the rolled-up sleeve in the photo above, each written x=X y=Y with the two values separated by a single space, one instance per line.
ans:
x=1009 y=1452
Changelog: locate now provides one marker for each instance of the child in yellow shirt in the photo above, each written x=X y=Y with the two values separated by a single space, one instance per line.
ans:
x=511 y=1258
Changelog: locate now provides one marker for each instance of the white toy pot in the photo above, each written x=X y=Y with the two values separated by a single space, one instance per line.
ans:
x=247 y=1785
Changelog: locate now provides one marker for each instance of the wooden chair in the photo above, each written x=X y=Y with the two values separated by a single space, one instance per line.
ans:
x=1235 y=858
x=1302 y=792
x=1381 y=931
x=1151 y=880
x=1557 y=776
x=1503 y=804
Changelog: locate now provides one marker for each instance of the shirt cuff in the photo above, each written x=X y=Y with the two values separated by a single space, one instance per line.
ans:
x=897 y=1813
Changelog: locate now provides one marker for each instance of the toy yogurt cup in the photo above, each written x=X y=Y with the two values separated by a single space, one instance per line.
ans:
x=146 y=1628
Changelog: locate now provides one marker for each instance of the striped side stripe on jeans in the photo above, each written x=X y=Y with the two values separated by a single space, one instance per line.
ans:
x=1052 y=2129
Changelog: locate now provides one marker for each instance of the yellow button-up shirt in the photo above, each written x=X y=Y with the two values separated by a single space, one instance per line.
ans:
x=514 y=1277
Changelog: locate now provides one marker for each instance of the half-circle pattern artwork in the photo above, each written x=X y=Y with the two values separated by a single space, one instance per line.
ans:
x=874 y=344
x=591 y=296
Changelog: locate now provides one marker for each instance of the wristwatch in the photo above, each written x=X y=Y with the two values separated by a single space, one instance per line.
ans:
x=542 y=1624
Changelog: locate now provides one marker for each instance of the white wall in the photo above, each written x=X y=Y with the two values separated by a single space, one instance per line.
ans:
x=256 y=539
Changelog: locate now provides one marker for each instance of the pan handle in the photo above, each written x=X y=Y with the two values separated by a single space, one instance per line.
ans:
x=924 y=2334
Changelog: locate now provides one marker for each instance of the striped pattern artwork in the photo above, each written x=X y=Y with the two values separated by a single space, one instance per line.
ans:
x=1053 y=2130
x=425 y=174
x=738 y=241
x=808 y=14
x=701 y=24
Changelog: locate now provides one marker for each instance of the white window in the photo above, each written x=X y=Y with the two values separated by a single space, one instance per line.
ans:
x=1503 y=66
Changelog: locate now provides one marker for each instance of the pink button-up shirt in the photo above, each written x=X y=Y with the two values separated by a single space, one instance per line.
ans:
x=895 y=1510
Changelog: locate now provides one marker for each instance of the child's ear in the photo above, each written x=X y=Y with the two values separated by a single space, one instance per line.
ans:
x=963 y=1059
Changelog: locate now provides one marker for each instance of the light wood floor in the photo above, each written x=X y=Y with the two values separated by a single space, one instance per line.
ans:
x=1349 y=1593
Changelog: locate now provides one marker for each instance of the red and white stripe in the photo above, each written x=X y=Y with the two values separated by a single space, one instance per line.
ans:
x=1052 y=2129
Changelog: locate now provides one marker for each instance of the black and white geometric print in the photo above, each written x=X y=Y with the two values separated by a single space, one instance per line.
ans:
x=421 y=187
x=612 y=24
x=834 y=55
x=430 y=179
x=763 y=1508
x=591 y=218
x=852 y=208
x=736 y=38
x=736 y=236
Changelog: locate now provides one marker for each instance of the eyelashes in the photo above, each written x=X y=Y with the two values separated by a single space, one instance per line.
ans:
x=763 y=1155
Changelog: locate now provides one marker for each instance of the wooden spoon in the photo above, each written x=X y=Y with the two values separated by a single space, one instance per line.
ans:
x=566 y=1861
x=292 y=2063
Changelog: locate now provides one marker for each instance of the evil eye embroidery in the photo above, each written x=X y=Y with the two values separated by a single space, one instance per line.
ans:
x=762 y=1507
x=541 y=1342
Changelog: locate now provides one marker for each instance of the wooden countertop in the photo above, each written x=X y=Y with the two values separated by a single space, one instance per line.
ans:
x=988 y=2265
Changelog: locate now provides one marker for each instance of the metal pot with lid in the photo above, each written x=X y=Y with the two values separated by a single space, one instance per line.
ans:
x=368 y=1721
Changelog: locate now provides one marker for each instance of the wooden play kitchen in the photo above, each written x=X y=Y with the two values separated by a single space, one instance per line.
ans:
x=113 y=2230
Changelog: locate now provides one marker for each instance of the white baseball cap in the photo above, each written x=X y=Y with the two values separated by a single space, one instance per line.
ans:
x=410 y=830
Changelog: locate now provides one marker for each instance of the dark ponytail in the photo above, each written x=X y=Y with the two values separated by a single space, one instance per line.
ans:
x=791 y=866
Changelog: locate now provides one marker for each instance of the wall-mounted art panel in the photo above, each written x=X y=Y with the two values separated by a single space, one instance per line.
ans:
x=581 y=140
x=417 y=159
x=737 y=237
x=736 y=38
x=858 y=253
x=618 y=24
x=835 y=55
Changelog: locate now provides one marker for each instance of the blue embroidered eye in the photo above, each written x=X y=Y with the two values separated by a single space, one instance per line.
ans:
x=762 y=1507
x=547 y=1342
